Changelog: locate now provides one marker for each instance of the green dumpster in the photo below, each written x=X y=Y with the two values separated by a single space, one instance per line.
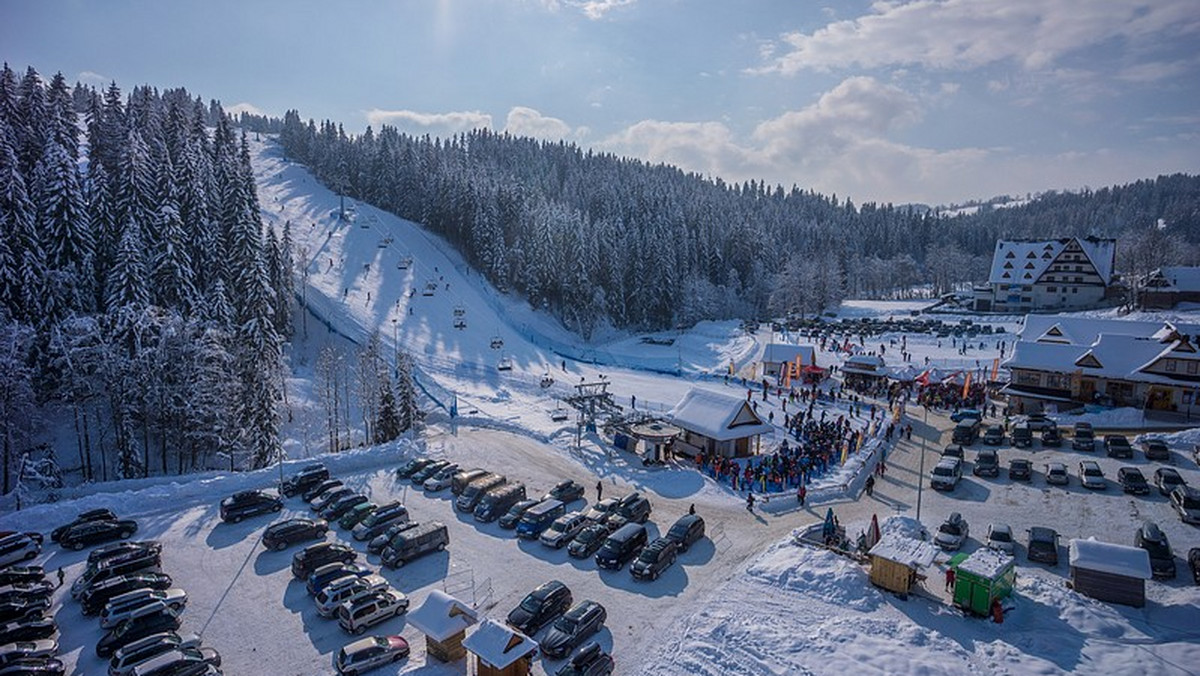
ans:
x=982 y=577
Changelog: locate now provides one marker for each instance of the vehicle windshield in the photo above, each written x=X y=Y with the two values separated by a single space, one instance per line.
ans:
x=1191 y=503
x=1001 y=536
x=1171 y=478
x=942 y=471
x=1157 y=550
x=590 y=535
x=1135 y=478
x=471 y=491
x=1092 y=471
x=566 y=625
x=949 y=529
x=648 y=555
x=558 y=526
x=531 y=604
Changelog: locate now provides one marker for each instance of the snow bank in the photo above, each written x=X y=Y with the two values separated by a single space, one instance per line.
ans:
x=819 y=573
x=904 y=527
x=1185 y=439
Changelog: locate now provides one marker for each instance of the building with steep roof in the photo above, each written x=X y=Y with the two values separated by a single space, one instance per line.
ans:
x=1167 y=287
x=716 y=424
x=1070 y=273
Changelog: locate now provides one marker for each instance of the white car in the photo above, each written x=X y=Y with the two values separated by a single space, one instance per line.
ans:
x=28 y=650
x=125 y=659
x=442 y=479
x=563 y=530
x=368 y=653
x=333 y=596
x=370 y=609
x=1000 y=537
x=132 y=604
x=953 y=533
x=18 y=547
x=1091 y=476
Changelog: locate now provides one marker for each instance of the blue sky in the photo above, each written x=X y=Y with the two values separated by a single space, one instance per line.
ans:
x=931 y=101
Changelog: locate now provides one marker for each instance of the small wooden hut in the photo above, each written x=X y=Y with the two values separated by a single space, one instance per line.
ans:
x=500 y=650
x=983 y=577
x=897 y=562
x=444 y=621
x=1109 y=572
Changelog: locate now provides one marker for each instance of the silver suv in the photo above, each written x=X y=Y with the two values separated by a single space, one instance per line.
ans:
x=370 y=609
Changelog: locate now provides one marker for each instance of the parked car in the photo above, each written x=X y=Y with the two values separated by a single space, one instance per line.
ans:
x=93 y=599
x=416 y=542
x=1020 y=469
x=356 y=514
x=124 y=660
x=22 y=574
x=308 y=476
x=329 y=572
x=994 y=436
x=1156 y=449
x=568 y=491
x=1167 y=480
x=330 y=497
x=339 y=591
x=539 y=517
x=23 y=611
x=18 y=547
x=131 y=613
x=1022 y=436
x=966 y=432
x=1194 y=563
x=1084 y=438
x=305 y=561
x=952 y=533
x=573 y=628
x=470 y=496
x=589 y=661
x=118 y=549
x=338 y=508
x=633 y=508
x=1117 y=446
x=1091 y=476
x=248 y=503
x=384 y=540
x=588 y=540
x=622 y=546
x=1038 y=421
x=1151 y=538
x=1186 y=501
x=965 y=414
x=46 y=666
x=1056 y=474
x=122 y=606
x=132 y=562
x=599 y=511
x=498 y=500
x=1051 y=437
x=368 y=653
x=987 y=463
x=1132 y=481
x=181 y=662
x=92 y=515
x=282 y=534
x=418 y=477
x=380 y=520
x=362 y=612
x=954 y=451
x=463 y=478
x=441 y=479
x=946 y=474
x=686 y=531
x=132 y=630
x=540 y=607
x=563 y=529
x=512 y=517
x=999 y=536
x=412 y=467
x=315 y=491
x=654 y=558
x=26 y=590
x=28 y=630
x=28 y=650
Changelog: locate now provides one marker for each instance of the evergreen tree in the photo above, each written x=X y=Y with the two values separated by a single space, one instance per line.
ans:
x=127 y=284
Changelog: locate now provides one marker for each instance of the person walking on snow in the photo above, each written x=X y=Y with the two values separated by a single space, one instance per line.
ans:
x=61 y=575
x=750 y=503
x=599 y=490
x=949 y=579
x=870 y=486
x=801 y=493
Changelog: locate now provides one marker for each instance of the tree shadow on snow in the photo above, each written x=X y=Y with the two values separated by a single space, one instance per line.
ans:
x=268 y=561
x=225 y=535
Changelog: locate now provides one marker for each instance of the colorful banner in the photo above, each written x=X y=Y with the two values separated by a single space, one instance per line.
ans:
x=966 y=385
x=995 y=367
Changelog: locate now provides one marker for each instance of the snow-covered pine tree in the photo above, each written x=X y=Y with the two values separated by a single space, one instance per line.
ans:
x=408 y=411
x=387 y=423
x=171 y=267
x=18 y=409
x=127 y=281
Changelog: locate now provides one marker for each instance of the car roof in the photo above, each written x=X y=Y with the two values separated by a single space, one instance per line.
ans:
x=546 y=589
x=687 y=520
x=1042 y=533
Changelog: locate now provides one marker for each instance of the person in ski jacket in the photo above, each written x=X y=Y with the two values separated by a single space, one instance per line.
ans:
x=870 y=485
x=750 y=502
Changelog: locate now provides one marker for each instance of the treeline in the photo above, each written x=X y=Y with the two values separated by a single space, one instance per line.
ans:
x=139 y=292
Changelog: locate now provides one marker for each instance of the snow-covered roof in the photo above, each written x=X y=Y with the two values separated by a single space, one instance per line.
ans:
x=1023 y=262
x=906 y=551
x=1086 y=330
x=1107 y=557
x=986 y=562
x=498 y=644
x=442 y=616
x=717 y=416
x=777 y=353
x=1178 y=279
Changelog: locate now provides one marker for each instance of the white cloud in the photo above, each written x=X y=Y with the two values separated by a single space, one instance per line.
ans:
x=430 y=123
x=522 y=121
x=243 y=107
x=88 y=77
x=596 y=9
x=966 y=34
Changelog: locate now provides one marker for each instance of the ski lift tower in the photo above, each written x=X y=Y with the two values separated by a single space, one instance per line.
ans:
x=590 y=400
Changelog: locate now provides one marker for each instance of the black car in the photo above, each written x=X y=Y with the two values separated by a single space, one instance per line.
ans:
x=41 y=666
x=412 y=467
x=338 y=508
x=1151 y=538
x=23 y=611
x=419 y=476
x=994 y=436
x=312 y=492
x=312 y=557
x=329 y=497
x=122 y=549
x=1194 y=563
x=384 y=539
x=687 y=530
x=588 y=541
x=28 y=630
x=1020 y=469
x=1156 y=449
x=1117 y=446
x=95 y=532
x=565 y=491
x=93 y=599
x=1043 y=545
x=26 y=590
x=248 y=503
x=633 y=508
x=541 y=607
x=281 y=534
x=131 y=630
x=987 y=463
x=93 y=515
x=589 y=661
x=1167 y=480
x=512 y=517
x=654 y=559
x=307 y=477
x=954 y=451
x=573 y=628
x=1051 y=437
x=1133 y=481
x=1085 y=438
x=20 y=575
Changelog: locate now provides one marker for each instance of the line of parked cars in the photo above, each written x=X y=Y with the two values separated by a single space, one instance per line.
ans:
x=550 y=605
x=28 y=634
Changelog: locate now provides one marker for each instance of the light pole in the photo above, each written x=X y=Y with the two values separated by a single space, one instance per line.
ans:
x=395 y=346
x=921 y=471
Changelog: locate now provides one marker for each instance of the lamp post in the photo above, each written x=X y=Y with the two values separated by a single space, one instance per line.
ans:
x=921 y=471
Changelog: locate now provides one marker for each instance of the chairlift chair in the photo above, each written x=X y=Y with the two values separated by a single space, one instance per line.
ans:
x=459 y=311
x=505 y=364
x=547 y=380
x=497 y=342
x=430 y=287
x=559 y=414
x=405 y=263
x=460 y=324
